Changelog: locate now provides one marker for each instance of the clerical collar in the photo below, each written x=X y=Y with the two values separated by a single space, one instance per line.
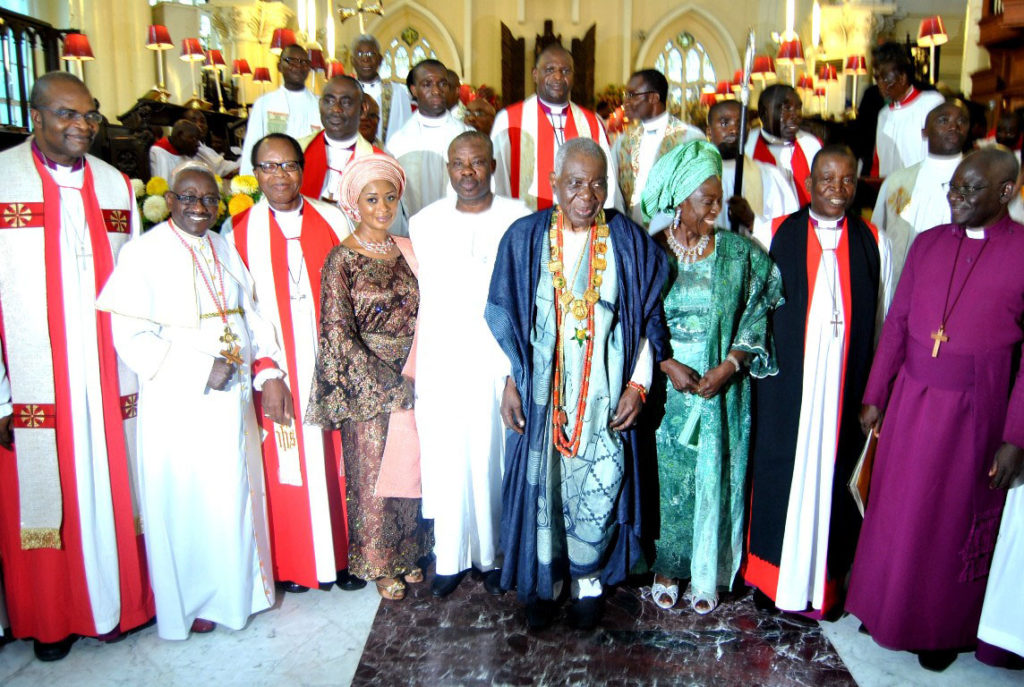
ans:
x=432 y=121
x=775 y=140
x=825 y=222
x=346 y=144
x=907 y=98
x=975 y=233
x=655 y=125
x=944 y=159
x=552 y=108
x=375 y=82
x=289 y=213
x=55 y=166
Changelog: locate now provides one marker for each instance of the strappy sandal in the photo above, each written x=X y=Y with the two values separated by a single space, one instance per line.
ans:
x=390 y=589
x=659 y=591
x=702 y=604
x=414 y=576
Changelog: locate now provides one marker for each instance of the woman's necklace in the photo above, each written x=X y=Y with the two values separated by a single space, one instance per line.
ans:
x=686 y=255
x=378 y=247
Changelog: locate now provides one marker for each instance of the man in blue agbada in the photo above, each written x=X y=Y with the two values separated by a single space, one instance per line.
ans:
x=575 y=304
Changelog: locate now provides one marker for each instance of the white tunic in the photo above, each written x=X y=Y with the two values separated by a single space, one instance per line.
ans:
x=899 y=139
x=296 y=113
x=1002 y=616
x=460 y=376
x=200 y=467
x=777 y=199
x=400 y=111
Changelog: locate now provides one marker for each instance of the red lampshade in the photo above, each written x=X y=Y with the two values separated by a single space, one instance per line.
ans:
x=737 y=81
x=282 y=39
x=764 y=67
x=240 y=68
x=932 y=32
x=316 y=60
x=708 y=98
x=805 y=82
x=191 y=51
x=76 y=47
x=856 y=64
x=261 y=74
x=819 y=91
x=828 y=73
x=214 y=60
x=158 y=38
x=791 y=52
x=723 y=90
x=335 y=68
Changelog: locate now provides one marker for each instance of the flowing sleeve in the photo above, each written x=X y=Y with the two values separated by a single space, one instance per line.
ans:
x=763 y=294
x=350 y=382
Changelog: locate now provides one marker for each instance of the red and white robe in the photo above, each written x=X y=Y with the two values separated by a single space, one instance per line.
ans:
x=899 y=136
x=304 y=470
x=69 y=532
x=525 y=143
x=324 y=164
x=794 y=160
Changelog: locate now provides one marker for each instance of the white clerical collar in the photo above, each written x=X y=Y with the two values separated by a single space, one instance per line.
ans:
x=375 y=82
x=346 y=143
x=289 y=213
x=552 y=107
x=975 y=233
x=825 y=222
x=655 y=125
x=775 y=140
x=432 y=121
x=945 y=160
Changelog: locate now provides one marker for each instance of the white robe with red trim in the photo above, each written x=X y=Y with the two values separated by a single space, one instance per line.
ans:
x=201 y=482
x=899 y=136
x=68 y=532
x=304 y=472
x=530 y=168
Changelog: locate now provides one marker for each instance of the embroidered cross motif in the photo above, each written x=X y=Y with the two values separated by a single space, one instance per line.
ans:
x=17 y=215
x=32 y=416
x=118 y=221
x=129 y=406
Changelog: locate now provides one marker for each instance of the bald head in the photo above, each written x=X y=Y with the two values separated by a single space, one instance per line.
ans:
x=998 y=163
x=982 y=186
x=64 y=117
x=47 y=84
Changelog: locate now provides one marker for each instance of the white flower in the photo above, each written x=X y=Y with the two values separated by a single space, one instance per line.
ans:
x=154 y=208
x=138 y=187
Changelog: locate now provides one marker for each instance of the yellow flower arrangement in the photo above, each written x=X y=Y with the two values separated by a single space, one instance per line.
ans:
x=157 y=186
x=245 y=183
x=239 y=203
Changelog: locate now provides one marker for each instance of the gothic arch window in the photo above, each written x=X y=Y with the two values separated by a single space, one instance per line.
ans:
x=403 y=53
x=688 y=68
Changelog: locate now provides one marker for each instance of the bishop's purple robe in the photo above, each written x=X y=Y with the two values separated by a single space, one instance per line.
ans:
x=923 y=558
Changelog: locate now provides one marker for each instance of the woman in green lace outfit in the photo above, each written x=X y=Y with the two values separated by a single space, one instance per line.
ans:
x=721 y=288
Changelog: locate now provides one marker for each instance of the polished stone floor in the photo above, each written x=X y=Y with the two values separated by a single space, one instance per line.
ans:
x=470 y=638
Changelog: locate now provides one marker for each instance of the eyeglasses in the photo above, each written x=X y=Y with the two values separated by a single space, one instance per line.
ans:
x=66 y=116
x=963 y=191
x=289 y=166
x=636 y=94
x=297 y=61
x=208 y=201
x=367 y=53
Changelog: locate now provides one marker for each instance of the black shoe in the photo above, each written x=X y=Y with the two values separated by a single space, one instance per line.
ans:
x=53 y=651
x=492 y=582
x=585 y=613
x=443 y=585
x=349 y=583
x=936 y=661
x=763 y=602
x=540 y=614
x=293 y=587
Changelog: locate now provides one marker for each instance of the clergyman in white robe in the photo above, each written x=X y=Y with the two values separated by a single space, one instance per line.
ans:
x=773 y=196
x=460 y=377
x=296 y=113
x=200 y=467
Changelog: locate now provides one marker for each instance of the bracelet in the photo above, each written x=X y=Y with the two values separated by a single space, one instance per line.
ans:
x=639 y=388
x=735 y=362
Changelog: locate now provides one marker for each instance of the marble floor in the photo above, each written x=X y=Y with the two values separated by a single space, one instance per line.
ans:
x=470 y=638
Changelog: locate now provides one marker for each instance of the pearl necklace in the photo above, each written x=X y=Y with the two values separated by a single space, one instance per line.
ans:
x=686 y=255
x=378 y=247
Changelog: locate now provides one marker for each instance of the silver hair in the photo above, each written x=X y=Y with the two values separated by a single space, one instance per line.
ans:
x=191 y=166
x=578 y=146
x=365 y=38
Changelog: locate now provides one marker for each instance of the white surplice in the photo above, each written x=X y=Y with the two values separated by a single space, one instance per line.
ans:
x=296 y=113
x=200 y=467
x=1002 y=616
x=459 y=422
x=899 y=136
x=778 y=199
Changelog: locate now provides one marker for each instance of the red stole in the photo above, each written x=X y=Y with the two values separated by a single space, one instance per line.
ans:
x=314 y=170
x=136 y=597
x=801 y=170
x=165 y=144
x=545 y=148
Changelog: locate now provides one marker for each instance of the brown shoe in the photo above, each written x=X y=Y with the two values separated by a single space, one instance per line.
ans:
x=201 y=627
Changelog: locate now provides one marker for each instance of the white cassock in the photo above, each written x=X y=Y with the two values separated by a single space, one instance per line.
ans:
x=421 y=147
x=200 y=467
x=296 y=113
x=912 y=200
x=805 y=543
x=1002 y=616
x=461 y=433
x=775 y=193
x=395 y=109
x=899 y=139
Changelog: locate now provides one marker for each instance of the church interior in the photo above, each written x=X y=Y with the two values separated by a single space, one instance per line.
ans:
x=148 y=61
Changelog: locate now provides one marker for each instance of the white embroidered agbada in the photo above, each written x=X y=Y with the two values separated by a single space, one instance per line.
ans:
x=421 y=147
x=200 y=469
x=769 y=192
x=296 y=113
x=899 y=141
x=462 y=438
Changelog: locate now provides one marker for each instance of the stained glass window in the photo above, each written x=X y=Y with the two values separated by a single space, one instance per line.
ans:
x=403 y=53
x=686 y=65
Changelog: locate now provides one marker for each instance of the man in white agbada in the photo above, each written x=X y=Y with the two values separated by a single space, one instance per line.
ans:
x=205 y=154
x=392 y=98
x=421 y=145
x=184 y=320
x=913 y=199
x=292 y=109
x=764 y=186
x=460 y=429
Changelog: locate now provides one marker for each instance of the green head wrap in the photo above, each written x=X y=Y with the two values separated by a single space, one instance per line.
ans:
x=679 y=173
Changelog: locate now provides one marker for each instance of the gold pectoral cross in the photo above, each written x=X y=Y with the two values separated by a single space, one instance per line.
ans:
x=232 y=351
x=940 y=338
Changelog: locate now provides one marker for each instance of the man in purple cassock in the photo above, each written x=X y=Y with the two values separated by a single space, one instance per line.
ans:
x=947 y=378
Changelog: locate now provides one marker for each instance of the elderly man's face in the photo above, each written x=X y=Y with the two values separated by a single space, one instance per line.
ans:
x=60 y=128
x=193 y=202
x=976 y=195
x=280 y=186
x=581 y=188
x=341 y=107
x=470 y=166
x=832 y=185
x=366 y=60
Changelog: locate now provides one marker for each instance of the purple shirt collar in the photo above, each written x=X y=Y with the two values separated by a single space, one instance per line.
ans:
x=50 y=164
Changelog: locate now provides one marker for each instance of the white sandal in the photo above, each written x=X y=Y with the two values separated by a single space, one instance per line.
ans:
x=659 y=590
x=695 y=599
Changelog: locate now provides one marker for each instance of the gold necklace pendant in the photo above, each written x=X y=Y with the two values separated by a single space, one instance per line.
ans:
x=591 y=296
x=566 y=298
x=579 y=309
